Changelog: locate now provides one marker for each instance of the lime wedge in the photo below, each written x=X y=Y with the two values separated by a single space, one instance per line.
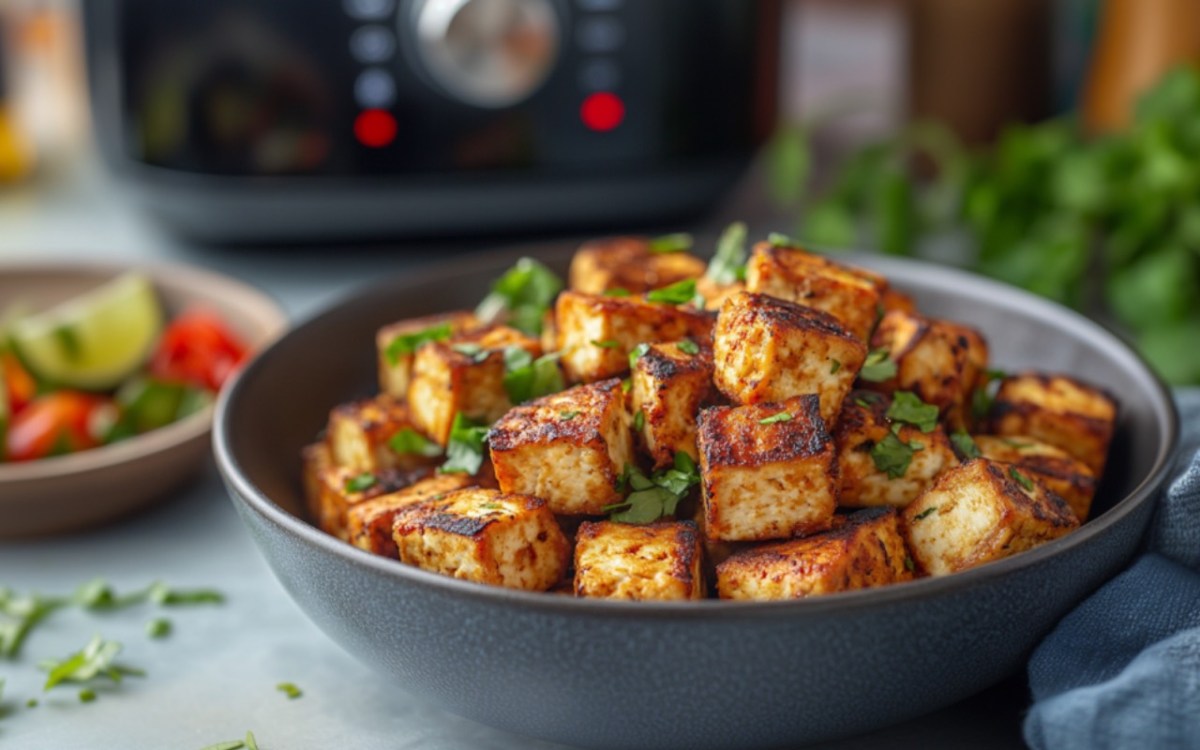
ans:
x=94 y=341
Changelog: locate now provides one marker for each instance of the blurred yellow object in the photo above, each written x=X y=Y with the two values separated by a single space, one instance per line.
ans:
x=16 y=150
x=1139 y=41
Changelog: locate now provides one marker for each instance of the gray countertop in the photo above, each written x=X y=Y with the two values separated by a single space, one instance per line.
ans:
x=214 y=677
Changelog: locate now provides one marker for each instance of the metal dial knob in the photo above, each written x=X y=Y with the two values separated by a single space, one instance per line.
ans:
x=490 y=53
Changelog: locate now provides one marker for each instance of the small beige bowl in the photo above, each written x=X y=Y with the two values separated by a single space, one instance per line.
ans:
x=71 y=492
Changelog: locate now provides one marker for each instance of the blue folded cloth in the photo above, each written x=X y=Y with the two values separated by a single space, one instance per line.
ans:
x=1123 y=669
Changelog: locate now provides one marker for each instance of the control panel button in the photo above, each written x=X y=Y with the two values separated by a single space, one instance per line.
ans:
x=369 y=10
x=489 y=53
x=372 y=44
x=375 y=89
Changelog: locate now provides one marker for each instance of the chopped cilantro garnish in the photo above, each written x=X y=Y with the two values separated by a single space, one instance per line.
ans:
x=408 y=441
x=657 y=495
x=407 y=343
x=476 y=352
x=1023 y=480
x=925 y=513
x=777 y=239
x=526 y=378
x=834 y=367
x=607 y=344
x=893 y=455
x=626 y=385
x=639 y=420
x=521 y=296
x=907 y=407
x=87 y=695
x=728 y=264
x=687 y=346
x=878 y=366
x=616 y=292
x=364 y=481
x=909 y=565
x=93 y=660
x=678 y=293
x=567 y=416
x=289 y=689
x=965 y=444
x=670 y=243
x=160 y=593
x=159 y=627
x=231 y=745
x=464 y=452
x=636 y=354
x=782 y=416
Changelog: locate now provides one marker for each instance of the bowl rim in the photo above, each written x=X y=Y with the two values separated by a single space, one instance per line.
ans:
x=266 y=310
x=248 y=495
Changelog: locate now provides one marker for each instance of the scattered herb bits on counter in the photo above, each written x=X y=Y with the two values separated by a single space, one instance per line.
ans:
x=771 y=412
x=104 y=367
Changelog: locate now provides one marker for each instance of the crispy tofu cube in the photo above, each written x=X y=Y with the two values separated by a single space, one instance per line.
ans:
x=369 y=523
x=942 y=362
x=979 y=512
x=463 y=375
x=898 y=301
x=668 y=387
x=568 y=448
x=851 y=295
x=342 y=488
x=596 y=334
x=866 y=551
x=767 y=349
x=397 y=343
x=359 y=435
x=628 y=263
x=860 y=430
x=1061 y=473
x=1058 y=410
x=640 y=562
x=715 y=294
x=484 y=536
x=316 y=460
x=768 y=471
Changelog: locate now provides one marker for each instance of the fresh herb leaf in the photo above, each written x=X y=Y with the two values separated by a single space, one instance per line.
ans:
x=567 y=416
x=892 y=455
x=407 y=343
x=95 y=659
x=526 y=378
x=879 y=366
x=925 y=513
x=639 y=420
x=728 y=264
x=521 y=296
x=965 y=444
x=655 y=496
x=607 y=344
x=637 y=353
x=1023 y=480
x=626 y=385
x=476 y=352
x=995 y=374
x=159 y=627
x=31 y=703
x=909 y=565
x=231 y=745
x=907 y=407
x=834 y=367
x=670 y=243
x=87 y=695
x=465 y=451
x=251 y=743
x=782 y=416
x=689 y=347
x=290 y=690
x=781 y=240
x=361 y=482
x=22 y=614
x=981 y=402
x=678 y=293
x=617 y=292
x=165 y=596
x=408 y=442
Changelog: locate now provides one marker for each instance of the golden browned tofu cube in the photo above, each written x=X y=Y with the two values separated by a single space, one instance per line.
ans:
x=596 y=334
x=899 y=301
x=638 y=561
x=568 y=448
x=767 y=349
x=628 y=263
x=850 y=295
x=670 y=383
x=940 y=361
x=398 y=342
x=768 y=471
x=715 y=294
x=464 y=375
x=342 y=488
x=866 y=551
x=1058 y=410
x=369 y=523
x=979 y=512
x=360 y=436
x=484 y=536
x=316 y=460
x=1061 y=473
x=885 y=462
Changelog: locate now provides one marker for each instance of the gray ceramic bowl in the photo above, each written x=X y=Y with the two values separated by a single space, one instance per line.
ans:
x=690 y=675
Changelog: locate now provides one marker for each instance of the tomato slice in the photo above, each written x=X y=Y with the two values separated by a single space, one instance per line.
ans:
x=60 y=422
x=20 y=384
x=197 y=348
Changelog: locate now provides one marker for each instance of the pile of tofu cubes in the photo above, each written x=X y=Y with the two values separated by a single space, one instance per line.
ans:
x=842 y=439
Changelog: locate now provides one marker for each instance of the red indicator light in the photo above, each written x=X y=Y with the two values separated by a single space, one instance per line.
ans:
x=375 y=128
x=602 y=111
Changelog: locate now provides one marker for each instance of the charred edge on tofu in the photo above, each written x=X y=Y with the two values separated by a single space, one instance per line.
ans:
x=1063 y=517
x=802 y=436
x=776 y=314
x=513 y=429
x=1059 y=468
x=662 y=366
x=394 y=480
x=882 y=336
x=1093 y=426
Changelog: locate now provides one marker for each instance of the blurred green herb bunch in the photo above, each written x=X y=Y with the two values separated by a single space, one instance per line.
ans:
x=1109 y=225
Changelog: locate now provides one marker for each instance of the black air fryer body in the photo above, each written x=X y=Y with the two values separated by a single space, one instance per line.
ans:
x=278 y=120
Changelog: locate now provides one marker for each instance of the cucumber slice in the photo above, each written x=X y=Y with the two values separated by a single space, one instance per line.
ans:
x=95 y=341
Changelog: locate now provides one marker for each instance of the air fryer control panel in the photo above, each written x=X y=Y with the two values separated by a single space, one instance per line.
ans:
x=408 y=87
